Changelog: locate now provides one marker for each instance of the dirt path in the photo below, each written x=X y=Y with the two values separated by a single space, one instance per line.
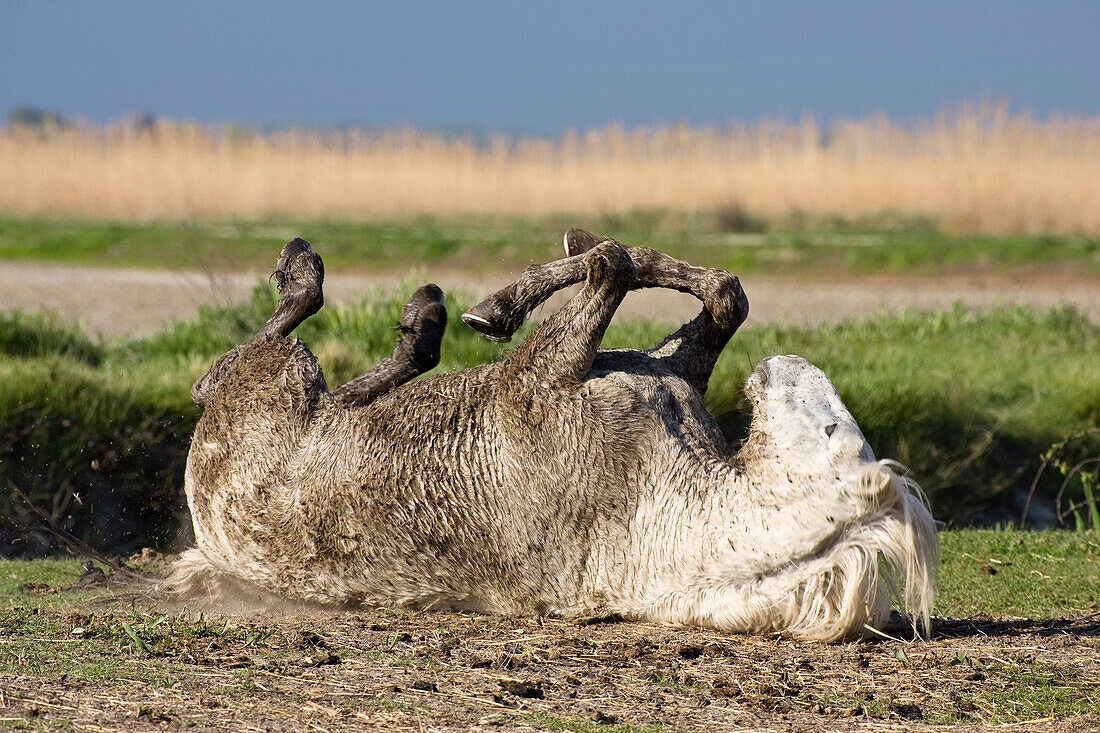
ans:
x=446 y=671
x=114 y=302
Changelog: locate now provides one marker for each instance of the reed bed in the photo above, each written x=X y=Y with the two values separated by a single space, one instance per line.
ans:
x=973 y=169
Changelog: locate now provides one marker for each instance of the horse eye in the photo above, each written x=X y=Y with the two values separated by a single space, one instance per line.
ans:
x=830 y=429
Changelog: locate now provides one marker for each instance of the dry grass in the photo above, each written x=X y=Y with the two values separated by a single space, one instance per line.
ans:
x=976 y=169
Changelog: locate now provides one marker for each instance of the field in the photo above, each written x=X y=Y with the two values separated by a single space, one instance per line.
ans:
x=94 y=433
x=975 y=398
x=1016 y=643
x=969 y=170
x=477 y=244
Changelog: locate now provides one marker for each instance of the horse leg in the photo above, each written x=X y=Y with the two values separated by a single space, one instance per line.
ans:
x=691 y=351
x=417 y=351
x=560 y=351
x=298 y=275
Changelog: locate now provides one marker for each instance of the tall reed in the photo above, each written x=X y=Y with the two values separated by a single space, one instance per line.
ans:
x=973 y=169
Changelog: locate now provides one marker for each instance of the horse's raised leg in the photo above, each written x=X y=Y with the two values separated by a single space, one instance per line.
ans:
x=502 y=313
x=299 y=275
x=691 y=351
x=561 y=349
x=417 y=351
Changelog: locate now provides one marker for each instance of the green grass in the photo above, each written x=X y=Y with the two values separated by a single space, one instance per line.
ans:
x=96 y=433
x=554 y=722
x=493 y=243
x=52 y=629
x=1026 y=574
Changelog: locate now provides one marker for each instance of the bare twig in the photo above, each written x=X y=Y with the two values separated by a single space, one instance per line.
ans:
x=1070 y=474
x=74 y=544
x=1046 y=462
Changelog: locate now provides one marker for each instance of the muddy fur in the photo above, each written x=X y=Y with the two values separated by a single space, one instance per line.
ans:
x=557 y=481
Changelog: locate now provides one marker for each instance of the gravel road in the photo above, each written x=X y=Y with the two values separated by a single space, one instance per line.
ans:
x=115 y=302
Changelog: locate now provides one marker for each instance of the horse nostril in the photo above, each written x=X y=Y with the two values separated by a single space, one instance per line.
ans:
x=830 y=429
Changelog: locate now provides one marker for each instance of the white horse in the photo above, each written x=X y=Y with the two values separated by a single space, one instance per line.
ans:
x=560 y=480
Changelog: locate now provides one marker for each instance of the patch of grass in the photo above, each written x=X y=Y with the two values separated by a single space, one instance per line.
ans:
x=245 y=688
x=29 y=336
x=60 y=636
x=39 y=641
x=479 y=243
x=1009 y=573
x=978 y=679
x=554 y=722
x=16 y=575
x=678 y=685
x=1035 y=691
x=1015 y=686
x=35 y=723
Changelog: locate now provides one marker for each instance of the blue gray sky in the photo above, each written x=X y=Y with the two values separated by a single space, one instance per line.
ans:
x=542 y=67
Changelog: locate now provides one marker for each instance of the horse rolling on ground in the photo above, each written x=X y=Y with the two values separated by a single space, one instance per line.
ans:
x=562 y=480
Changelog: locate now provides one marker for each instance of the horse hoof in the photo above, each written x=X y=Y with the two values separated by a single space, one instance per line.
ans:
x=481 y=318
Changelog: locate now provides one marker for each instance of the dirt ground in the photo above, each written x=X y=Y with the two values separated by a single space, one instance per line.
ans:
x=438 y=671
x=114 y=302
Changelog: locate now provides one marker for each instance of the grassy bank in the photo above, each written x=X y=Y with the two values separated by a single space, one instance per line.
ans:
x=726 y=238
x=95 y=434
